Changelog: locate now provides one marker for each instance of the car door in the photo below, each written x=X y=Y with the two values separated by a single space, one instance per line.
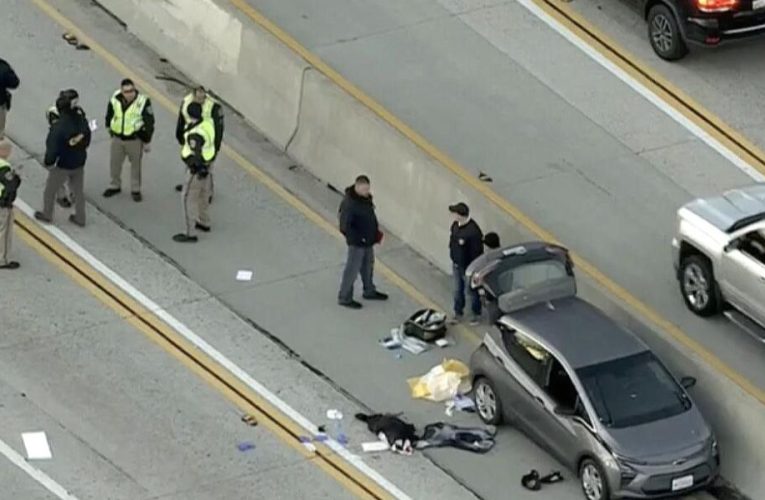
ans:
x=744 y=282
x=562 y=430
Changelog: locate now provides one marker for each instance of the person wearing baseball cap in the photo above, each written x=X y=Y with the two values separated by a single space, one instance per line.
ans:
x=465 y=245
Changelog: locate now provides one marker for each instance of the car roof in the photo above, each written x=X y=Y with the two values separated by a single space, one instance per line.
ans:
x=733 y=206
x=580 y=332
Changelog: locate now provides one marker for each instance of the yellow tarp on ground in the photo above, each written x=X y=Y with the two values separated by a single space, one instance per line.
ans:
x=442 y=382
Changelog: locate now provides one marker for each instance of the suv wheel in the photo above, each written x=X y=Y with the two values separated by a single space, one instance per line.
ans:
x=593 y=480
x=698 y=285
x=487 y=402
x=664 y=34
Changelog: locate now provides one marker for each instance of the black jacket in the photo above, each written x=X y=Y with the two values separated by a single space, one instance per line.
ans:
x=146 y=132
x=8 y=80
x=62 y=147
x=358 y=221
x=217 y=114
x=465 y=243
x=11 y=182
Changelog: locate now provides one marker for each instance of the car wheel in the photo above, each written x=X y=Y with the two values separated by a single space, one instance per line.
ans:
x=664 y=34
x=698 y=285
x=593 y=480
x=487 y=402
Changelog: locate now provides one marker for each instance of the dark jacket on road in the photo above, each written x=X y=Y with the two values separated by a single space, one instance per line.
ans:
x=64 y=146
x=146 y=132
x=8 y=80
x=465 y=243
x=358 y=221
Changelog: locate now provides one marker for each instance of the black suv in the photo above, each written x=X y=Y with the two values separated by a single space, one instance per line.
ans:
x=673 y=24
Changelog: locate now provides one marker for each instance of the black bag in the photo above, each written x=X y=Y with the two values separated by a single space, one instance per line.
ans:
x=425 y=325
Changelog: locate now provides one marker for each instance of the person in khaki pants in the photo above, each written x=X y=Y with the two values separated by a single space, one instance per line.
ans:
x=130 y=119
x=8 y=81
x=9 y=185
x=197 y=153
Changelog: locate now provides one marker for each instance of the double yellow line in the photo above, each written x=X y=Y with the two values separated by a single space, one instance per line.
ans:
x=673 y=96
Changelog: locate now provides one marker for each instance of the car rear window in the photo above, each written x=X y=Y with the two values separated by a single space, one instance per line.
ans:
x=632 y=391
x=528 y=276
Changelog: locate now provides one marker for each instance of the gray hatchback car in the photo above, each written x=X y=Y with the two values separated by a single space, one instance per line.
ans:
x=581 y=386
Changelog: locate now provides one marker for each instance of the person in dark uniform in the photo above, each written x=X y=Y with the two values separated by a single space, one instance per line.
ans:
x=9 y=80
x=66 y=152
x=64 y=197
x=465 y=245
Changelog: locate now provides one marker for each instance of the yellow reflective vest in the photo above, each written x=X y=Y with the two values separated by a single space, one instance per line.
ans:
x=205 y=129
x=207 y=108
x=127 y=122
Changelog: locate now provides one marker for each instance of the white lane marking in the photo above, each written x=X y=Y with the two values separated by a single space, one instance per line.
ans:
x=641 y=89
x=201 y=344
x=35 y=473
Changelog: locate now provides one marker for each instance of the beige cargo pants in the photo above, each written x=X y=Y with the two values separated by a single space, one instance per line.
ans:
x=119 y=151
x=3 y=114
x=6 y=234
x=196 y=201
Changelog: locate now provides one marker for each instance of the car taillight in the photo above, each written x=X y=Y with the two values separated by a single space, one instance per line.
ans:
x=716 y=5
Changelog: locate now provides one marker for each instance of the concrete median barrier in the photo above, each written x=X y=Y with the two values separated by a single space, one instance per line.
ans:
x=336 y=137
x=206 y=40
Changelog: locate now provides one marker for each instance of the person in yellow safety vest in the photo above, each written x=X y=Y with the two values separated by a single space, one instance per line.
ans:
x=9 y=186
x=64 y=197
x=198 y=153
x=211 y=110
x=130 y=119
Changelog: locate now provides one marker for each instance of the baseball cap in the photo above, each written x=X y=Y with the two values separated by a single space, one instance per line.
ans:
x=460 y=209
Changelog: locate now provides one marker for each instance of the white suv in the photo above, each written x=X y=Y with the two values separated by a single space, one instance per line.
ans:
x=719 y=256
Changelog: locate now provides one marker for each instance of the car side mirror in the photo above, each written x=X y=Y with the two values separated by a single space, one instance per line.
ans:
x=731 y=246
x=565 y=411
x=687 y=382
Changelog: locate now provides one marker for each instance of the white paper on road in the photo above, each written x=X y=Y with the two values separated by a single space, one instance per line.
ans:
x=244 y=275
x=37 y=446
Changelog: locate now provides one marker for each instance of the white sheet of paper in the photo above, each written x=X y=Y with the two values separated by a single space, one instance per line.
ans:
x=37 y=446
x=244 y=276
x=93 y=125
x=375 y=446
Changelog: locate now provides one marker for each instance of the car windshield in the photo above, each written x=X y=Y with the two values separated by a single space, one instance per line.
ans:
x=632 y=391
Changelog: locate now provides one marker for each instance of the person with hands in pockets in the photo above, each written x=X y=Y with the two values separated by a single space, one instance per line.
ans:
x=465 y=245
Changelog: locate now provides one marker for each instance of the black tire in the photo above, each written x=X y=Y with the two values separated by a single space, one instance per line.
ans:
x=590 y=474
x=699 y=287
x=664 y=34
x=487 y=402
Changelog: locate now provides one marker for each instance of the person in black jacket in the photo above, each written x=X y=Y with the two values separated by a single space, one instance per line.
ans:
x=9 y=186
x=358 y=223
x=64 y=196
x=465 y=245
x=8 y=81
x=65 y=155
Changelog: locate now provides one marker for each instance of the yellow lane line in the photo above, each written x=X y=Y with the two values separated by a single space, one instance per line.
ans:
x=734 y=140
x=199 y=363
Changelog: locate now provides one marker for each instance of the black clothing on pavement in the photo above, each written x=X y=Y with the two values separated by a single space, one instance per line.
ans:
x=68 y=141
x=358 y=221
x=465 y=243
x=146 y=132
x=9 y=80
x=472 y=439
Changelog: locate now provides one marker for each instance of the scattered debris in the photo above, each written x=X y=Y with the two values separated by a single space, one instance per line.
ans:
x=473 y=439
x=426 y=324
x=374 y=446
x=336 y=416
x=82 y=46
x=532 y=481
x=306 y=441
x=250 y=420
x=484 y=177
x=442 y=382
x=36 y=444
x=246 y=446
x=70 y=39
x=244 y=275
x=399 y=435
x=460 y=403
x=414 y=346
x=442 y=343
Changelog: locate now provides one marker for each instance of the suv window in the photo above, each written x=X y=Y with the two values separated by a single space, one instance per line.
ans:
x=528 y=354
x=753 y=244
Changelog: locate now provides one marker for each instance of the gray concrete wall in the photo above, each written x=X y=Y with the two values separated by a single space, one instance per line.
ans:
x=336 y=137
